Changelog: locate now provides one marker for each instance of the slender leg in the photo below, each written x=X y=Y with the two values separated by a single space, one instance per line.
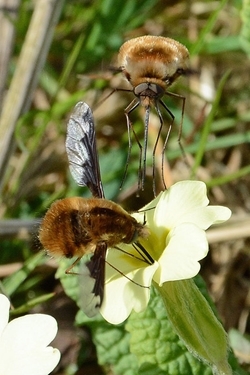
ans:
x=146 y=124
x=181 y=123
x=154 y=151
x=68 y=270
x=131 y=107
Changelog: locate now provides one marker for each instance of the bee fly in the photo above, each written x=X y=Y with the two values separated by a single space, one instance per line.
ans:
x=73 y=227
x=151 y=64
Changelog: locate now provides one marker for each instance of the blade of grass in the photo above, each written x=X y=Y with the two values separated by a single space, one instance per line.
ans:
x=229 y=177
x=11 y=283
x=70 y=63
x=208 y=124
x=31 y=304
x=27 y=72
x=245 y=29
x=197 y=47
x=222 y=142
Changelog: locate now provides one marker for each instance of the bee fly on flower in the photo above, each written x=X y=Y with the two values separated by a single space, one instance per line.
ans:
x=151 y=64
x=73 y=227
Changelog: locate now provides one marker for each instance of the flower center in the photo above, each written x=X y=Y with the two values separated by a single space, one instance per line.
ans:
x=155 y=244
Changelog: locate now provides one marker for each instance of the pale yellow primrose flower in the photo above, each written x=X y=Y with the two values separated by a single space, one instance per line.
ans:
x=23 y=343
x=177 y=220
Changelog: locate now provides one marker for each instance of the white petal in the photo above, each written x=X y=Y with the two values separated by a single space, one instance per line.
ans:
x=128 y=291
x=204 y=217
x=151 y=205
x=148 y=211
x=23 y=346
x=128 y=260
x=41 y=362
x=187 y=245
x=219 y=214
x=4 y=312
x=181 y=199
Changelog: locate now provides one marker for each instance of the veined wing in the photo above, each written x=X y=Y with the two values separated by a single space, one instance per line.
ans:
x=81 y=150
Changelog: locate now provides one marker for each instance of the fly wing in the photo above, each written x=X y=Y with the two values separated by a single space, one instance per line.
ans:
x=81 y=150
x=92 y=276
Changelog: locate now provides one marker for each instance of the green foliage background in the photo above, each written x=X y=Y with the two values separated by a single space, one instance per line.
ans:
x=85 y=40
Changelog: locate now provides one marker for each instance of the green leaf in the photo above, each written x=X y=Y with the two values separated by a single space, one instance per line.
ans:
x=157 y=346
x=69 y=282
x=195 y=322
x=153 y=343
x=112 y=344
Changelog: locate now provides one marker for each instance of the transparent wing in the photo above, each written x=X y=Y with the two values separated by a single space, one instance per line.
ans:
x=89 y=302
x=92 y=278
x=81 y=150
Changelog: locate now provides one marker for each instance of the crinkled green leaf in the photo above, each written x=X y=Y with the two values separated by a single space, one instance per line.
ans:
x=111 y=341
x=166 y=353
x=69 y=282
x=157 y=346
x=112 y=344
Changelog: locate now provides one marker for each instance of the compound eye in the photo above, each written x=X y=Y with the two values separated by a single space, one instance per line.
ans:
x=180 y=71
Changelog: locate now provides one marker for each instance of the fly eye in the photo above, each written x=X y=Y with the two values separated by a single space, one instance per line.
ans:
x=180 y=71
x=166 y=78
